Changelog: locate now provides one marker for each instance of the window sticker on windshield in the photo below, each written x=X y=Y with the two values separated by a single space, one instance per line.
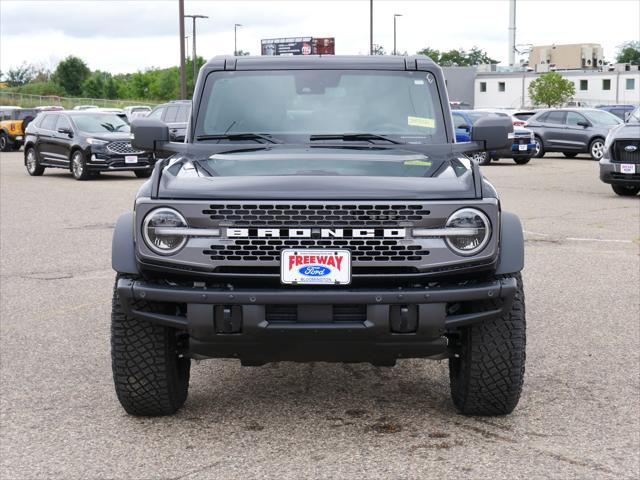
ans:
x=418 y=163
x=421 y=122
x=418 y=82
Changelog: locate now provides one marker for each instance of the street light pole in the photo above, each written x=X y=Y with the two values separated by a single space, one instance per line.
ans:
x=395 y=16
x=370 y=27
x=235 y=39
x=193 y=41
x=183 y=82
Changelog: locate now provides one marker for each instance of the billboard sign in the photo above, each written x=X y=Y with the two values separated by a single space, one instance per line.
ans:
x=298 y=46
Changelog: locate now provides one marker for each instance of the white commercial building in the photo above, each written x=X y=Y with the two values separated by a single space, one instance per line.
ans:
x=509 y=89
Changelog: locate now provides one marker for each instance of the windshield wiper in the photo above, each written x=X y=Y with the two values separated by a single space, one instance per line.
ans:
x=353 y=137
x=240 y=136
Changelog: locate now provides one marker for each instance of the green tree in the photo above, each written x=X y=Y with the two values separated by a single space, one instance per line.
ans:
x=94 y=86
x=629 y=52
x=551 y=89
x=19 y=75
x=71 y=73
x=458 y=57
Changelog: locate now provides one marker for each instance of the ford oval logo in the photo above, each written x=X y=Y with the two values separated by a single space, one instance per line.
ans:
x=314 y=271
x=630 y=148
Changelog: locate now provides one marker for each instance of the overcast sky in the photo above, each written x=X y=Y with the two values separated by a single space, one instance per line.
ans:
x=125 y=35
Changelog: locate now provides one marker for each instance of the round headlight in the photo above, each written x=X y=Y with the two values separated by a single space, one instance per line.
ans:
x=477 y=230
x=163 y=243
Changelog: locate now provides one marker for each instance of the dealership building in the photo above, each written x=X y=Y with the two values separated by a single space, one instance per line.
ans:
x=488 y=86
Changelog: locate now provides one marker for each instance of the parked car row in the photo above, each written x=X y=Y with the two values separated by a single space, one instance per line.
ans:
x=522 y=147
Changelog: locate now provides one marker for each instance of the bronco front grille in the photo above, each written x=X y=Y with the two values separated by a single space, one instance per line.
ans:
x=622 y=155
x=329 y=215
x=123 y=148
x=369 y=250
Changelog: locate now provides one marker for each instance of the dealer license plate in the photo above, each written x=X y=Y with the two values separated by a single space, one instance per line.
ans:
x=628 y=168
x=522 y=147
x=130 y=159
x=315 y=267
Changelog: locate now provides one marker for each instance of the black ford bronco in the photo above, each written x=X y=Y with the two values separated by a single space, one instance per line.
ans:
x=319 y=210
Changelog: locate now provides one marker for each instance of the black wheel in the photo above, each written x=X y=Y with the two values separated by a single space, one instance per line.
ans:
x=570 y=154
x=625 y=191
x=4 y=142
x=521 y=161
x=596 y=149
x=151 y=378
x=32 y=162
x=482 y=158
x=79 y=166
x=142 y=173
x=539 y=149
x=487 y=375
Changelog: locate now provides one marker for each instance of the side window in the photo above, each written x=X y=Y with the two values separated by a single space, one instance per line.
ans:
x=573 y=118
x=183 y=114
x=157 y=113
x=5 y=114
x=63 y=122
x=172 y=113
x=49 y=122
x=555 y=117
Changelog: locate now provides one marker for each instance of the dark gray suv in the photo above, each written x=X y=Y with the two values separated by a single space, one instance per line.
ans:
x=620 y=165
x=572 y=131
x=319 y=210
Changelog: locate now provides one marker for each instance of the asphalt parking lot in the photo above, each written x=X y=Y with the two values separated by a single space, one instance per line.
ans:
x=579 y=416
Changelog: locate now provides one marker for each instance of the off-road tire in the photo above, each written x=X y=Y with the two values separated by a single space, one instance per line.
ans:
x=539 y=148
x=142 y=173
x=487 y=376
x=570 y=154
x=5 y=145
x=150 y=377
x=625 y=191
x=521 y=161
x=32 y=162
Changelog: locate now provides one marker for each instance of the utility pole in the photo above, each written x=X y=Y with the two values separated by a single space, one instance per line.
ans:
x=193 y=41
x=370 y=27
x=512 y=33
x=395 y=16
x=183 y=83
x=235 y=39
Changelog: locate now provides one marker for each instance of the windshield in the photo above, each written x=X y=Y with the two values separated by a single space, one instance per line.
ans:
x=101 y=123
x=302 y=103
x=602 y=118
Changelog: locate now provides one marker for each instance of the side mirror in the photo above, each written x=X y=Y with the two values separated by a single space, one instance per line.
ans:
x=66 y=131
x=627 y=116
x=583 y=124
x=148 y=133
x=493 y=132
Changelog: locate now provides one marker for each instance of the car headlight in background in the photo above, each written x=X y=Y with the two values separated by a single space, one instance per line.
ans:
x=474 y=233
x=157 y=231
x=96 y=141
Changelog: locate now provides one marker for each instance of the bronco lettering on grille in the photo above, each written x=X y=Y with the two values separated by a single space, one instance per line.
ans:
x=316 y=232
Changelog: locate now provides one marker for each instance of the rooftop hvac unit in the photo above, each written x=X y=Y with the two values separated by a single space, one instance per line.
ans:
x=598 y=54
x=587 y=57
x=545 y=58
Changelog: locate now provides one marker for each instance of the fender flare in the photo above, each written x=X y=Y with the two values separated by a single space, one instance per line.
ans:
x=123 y=249
x=511 y=256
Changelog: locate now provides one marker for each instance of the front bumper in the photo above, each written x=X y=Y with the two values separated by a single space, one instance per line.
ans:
x=101 y=162
x=611 y=172
x=236 y=323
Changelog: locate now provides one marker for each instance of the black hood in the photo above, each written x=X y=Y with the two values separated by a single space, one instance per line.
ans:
x=246 y=174
x=110 y=137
